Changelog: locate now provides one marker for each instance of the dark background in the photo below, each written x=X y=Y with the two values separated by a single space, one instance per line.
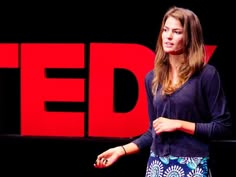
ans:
x=118 y=22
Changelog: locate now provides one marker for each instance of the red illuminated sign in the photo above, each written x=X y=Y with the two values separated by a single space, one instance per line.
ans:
x=95 y=89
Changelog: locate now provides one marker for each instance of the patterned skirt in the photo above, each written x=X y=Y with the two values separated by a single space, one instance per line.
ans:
x=171 y=166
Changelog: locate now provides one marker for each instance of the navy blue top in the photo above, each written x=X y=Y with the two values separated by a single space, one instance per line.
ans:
x=201 y=100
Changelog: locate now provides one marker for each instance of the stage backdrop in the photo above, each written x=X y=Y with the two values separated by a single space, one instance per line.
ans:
x=77 y=71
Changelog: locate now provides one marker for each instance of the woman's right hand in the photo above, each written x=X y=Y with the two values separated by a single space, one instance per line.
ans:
x=109 y=157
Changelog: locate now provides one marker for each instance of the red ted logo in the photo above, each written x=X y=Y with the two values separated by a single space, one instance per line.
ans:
x=93 y=90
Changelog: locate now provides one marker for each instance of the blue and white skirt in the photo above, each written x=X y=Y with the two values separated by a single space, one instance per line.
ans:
x=171 y=166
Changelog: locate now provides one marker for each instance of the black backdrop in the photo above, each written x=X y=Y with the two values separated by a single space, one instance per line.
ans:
x=136 y=22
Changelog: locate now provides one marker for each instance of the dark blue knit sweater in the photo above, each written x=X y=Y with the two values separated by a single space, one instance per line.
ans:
x=201 y=100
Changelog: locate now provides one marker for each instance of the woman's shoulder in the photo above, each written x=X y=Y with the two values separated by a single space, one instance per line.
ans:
x=209 y=74
x=149 y=75
x=209 y=69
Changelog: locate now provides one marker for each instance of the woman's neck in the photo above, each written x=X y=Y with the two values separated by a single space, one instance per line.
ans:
x=175 y=61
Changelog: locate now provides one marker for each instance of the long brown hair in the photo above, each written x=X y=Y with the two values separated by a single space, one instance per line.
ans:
x=194 y=51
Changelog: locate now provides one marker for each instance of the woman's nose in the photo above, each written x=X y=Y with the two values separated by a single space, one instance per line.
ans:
x=169 y=34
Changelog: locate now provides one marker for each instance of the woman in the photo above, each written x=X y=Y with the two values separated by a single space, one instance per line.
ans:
x=186 y=103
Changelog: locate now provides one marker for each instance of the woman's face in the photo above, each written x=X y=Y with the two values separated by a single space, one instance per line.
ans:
x=172 y=36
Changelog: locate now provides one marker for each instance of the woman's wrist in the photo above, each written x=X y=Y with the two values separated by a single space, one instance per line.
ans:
x=123 y=148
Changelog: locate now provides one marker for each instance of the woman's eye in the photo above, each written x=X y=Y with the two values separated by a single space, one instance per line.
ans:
x=177 y=32
x=164 y=30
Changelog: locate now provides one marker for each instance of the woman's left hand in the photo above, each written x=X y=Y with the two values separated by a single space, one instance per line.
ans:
x=162 y=124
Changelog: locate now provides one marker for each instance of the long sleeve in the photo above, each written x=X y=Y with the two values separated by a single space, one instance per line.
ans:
x=220 y=124
x=146 y=139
